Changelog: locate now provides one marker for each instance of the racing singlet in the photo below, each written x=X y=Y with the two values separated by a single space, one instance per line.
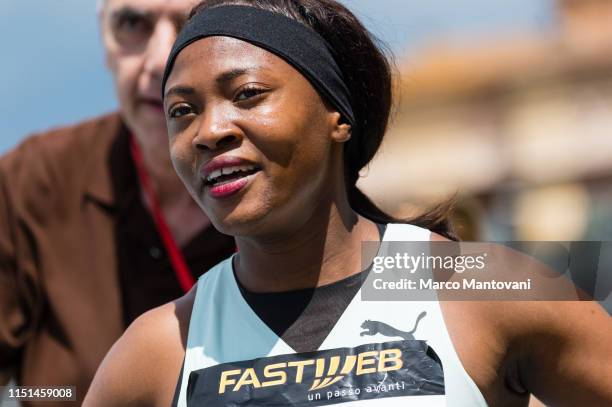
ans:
x=377 y=354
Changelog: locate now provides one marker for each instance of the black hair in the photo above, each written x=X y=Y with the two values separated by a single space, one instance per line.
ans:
x=368 y=75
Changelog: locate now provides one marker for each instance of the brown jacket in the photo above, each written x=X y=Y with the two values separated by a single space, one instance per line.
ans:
x=63 y=294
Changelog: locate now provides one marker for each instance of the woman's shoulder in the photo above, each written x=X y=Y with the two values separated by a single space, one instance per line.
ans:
x=526 y=341
x=143 y=366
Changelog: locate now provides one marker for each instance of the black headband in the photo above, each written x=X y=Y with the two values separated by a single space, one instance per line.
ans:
x=297 y=44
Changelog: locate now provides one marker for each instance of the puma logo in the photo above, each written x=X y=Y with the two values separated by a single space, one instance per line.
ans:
x=376 y=327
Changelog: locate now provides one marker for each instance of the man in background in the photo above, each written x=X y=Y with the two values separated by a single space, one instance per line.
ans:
x=95 y=226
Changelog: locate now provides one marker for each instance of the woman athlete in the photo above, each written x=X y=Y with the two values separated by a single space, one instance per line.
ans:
x=273 y=107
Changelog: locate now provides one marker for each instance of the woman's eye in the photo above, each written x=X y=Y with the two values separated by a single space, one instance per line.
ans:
x=179 y=111
x=248 y=93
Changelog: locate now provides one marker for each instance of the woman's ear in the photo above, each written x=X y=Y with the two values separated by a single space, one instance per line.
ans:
x=341 y=132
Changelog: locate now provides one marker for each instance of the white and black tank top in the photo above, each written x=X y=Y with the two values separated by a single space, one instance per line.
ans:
x=319 y=347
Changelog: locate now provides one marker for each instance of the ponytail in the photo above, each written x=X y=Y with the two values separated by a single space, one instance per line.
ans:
x=436 y=219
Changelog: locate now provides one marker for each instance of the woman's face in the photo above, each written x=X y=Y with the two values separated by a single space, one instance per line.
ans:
x=251 y=139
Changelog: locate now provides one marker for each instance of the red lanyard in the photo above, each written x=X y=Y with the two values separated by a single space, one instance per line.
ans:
x=183 y=275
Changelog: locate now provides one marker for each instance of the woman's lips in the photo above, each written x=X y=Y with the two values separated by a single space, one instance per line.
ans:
x=224 y=176
x=231 y=187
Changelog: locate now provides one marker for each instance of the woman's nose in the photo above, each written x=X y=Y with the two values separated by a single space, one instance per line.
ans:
x=216 y=131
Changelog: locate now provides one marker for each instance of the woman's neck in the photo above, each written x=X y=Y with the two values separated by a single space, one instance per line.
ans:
x=324 y=249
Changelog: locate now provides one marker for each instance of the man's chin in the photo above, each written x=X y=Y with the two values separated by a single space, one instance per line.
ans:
x=150 y=131
x=148 y=124
x=153 y=112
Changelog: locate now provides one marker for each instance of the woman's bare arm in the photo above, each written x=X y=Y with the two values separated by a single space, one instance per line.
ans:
x=568 y=358
x=143 y=366
x=561 y=351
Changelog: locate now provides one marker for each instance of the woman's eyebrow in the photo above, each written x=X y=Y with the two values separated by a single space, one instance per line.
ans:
x=221 y=79
x=180 y=90
x=232 y=74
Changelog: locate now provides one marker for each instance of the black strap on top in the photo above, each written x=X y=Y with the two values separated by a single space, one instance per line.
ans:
x=292 y=41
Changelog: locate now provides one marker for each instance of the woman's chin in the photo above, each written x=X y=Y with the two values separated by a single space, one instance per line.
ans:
x=240 y=223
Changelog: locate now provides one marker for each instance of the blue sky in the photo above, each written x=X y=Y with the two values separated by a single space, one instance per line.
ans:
x=52 y=69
